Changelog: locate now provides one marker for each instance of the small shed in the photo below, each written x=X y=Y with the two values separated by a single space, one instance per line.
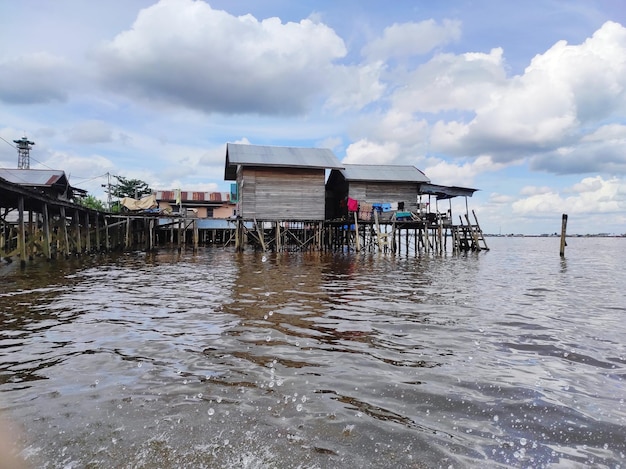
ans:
x=49 y=182
x=370 y=184
x=279 y=183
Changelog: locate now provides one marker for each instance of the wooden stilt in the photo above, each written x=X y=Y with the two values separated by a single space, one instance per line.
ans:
x=21 y=236
x=46 y=232
x=356 y=233
x=66 y=238
x=97 y=228
x=563 y=234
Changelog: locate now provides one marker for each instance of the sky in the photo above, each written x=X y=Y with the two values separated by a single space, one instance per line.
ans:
x=524 y=101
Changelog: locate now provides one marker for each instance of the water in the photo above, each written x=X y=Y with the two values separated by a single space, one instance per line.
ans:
x=507 y=358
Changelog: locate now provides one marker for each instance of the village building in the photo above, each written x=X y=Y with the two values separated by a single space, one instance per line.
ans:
x=51 y=183
x=219 y=205
x=279 y=183
x=385 y=188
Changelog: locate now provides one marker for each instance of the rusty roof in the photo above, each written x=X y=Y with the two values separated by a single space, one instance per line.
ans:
x=33 y=177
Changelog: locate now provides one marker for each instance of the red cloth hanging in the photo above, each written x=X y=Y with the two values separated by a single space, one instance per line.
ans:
x=353 y=205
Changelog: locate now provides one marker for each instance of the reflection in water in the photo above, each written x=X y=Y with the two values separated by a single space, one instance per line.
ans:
x=219 y=359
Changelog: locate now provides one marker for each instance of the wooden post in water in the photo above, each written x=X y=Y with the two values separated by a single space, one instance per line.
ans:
x=46 y=232
x=356 y=233
x=563 y=234
x=21 y=240
x=66 y=239
x=87 y=233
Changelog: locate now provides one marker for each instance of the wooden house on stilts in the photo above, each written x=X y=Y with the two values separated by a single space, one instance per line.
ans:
x=281 y=191
x=284 y=202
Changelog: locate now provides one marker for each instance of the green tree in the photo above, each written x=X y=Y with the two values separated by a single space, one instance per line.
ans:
x=134 y=188
x=91 y=202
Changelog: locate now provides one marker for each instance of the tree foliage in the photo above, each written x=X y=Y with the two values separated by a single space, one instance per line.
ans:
x=134 y=188
x=91 y=202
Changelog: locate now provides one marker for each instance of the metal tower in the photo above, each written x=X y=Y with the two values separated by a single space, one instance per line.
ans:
x=23 y=152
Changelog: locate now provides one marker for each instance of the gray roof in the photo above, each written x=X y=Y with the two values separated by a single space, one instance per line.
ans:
x=383 y=173
x=33 y=177
x=446 y=192
x=277 y=157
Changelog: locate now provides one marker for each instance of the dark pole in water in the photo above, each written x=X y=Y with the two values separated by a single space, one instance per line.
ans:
x=563 y=231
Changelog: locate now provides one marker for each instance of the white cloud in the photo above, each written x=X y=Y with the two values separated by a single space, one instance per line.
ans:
x=453 y=82
x=410 y=39
x=562 y=93
x=452 y=174
x=77 y=165
x=367 y=152
x=535 y=190
x=589 y=196
x=186 y=53
x=356 y=86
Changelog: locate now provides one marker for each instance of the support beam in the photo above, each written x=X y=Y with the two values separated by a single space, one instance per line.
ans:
x=46 y=232
x=21 y=236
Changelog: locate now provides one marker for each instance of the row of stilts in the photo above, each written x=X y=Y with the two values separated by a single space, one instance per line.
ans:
x=53 y=231
x=352 y=234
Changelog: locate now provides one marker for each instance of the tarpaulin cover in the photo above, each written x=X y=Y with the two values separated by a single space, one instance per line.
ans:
x=144 y=203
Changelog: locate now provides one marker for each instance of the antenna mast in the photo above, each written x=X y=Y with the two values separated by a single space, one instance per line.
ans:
x=23 y=152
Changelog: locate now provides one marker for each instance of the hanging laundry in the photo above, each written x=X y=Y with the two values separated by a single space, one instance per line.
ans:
x=353 y=205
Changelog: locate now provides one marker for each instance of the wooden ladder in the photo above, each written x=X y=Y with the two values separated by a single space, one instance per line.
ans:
x=475 y=234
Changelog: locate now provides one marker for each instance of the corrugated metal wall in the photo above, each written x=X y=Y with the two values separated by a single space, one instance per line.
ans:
x=282 y=194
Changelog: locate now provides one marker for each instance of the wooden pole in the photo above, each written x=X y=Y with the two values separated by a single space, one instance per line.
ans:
x=46 y=232
x=21 y=234
x=98 y=244
x=563 y=234
x=76 y=220
x=66 y=238
x=357 y=243
x=107 y=238
x=127 y=234
x=87 y=233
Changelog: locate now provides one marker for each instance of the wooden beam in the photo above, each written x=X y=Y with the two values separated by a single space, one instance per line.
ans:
x=46 y=232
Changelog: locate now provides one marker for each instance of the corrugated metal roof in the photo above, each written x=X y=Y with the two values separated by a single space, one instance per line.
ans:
x=277 y=157
x=32 y=177
x=383 y=173
x=446 y=192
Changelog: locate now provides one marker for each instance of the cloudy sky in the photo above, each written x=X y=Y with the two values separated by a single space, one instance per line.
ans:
x=525 y=101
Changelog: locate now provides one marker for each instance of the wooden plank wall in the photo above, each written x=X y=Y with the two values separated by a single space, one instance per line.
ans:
x=282 y=194
x=375 y=192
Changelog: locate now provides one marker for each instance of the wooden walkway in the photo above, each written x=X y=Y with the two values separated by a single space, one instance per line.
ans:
x=35 y=225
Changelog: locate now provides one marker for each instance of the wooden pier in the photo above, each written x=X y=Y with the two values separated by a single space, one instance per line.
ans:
x=33 y=224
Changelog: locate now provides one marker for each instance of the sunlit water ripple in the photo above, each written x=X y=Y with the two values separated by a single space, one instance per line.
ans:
x=507 y=358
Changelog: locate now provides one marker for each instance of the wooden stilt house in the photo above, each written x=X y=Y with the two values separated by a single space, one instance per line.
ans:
x=392 y=186
x=279 y=183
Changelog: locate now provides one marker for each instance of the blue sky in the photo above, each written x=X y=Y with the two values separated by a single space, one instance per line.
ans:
x=525 y=101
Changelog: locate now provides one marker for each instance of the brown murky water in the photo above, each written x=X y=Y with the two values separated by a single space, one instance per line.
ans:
x=509 y=358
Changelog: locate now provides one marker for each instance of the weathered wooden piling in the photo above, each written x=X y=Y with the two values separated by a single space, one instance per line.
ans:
x=563 y=234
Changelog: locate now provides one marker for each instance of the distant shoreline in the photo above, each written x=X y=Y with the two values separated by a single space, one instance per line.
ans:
x=599 y=235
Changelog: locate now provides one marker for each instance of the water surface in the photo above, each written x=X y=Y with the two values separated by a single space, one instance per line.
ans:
x=507 y=358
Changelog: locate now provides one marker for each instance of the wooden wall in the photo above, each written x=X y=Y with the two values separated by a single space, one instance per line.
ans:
x=374 y=192
x=281 y=193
